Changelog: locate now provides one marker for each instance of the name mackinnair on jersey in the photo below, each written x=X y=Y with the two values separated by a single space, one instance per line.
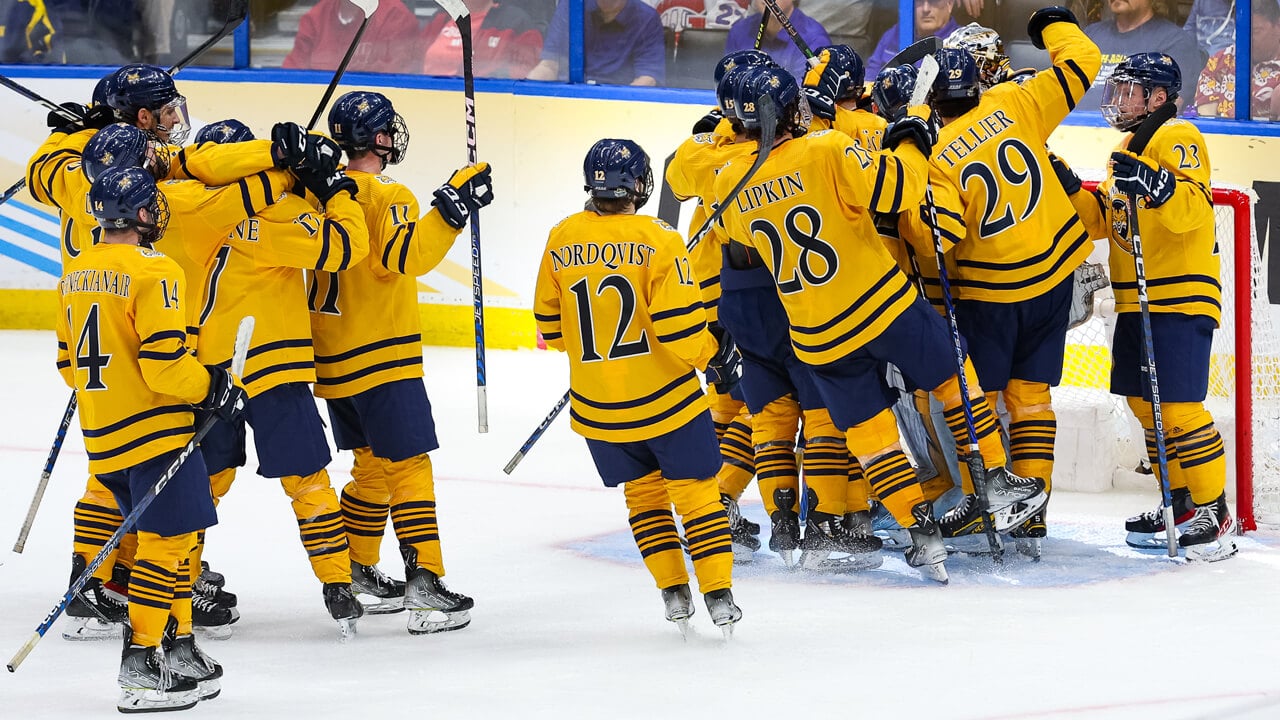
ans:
x=973 y=137
x=95 y=281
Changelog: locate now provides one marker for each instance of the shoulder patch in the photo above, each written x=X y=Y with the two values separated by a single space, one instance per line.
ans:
x=385 y=180
x=820 y=133
x=149 y=253
x=663 y=224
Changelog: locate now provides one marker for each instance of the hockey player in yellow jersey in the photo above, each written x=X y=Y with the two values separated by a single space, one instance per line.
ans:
x=616 y=291
x=807 y=212
x=258 y=271
x=368 y=347
x=122 y=346
x=1023 y=241
x=834 y=89
x=1170 y=180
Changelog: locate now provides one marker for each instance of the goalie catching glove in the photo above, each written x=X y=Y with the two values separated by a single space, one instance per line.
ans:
x=467 y=191
x=1138 y=176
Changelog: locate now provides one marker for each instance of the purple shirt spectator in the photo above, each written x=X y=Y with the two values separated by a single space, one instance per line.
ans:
x=615 y=52
x=888 y=47
x=742 y=36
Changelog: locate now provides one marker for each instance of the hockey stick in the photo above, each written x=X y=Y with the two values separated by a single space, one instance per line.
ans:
x=368 y=7
x=760 y=31
x=973 y=457
x=243 y=335
x=48 y=471
x=462 y=18
x=24 y=91
x=915 y=52
x=537 y=433
x=768 y=135
x=239 y=8
x=1137 y=144
x=801 y=45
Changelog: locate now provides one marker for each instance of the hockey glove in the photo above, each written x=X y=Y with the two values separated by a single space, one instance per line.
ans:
x=58 y=121
x=288 y=145
x=322 y=155
x=724 y=369
x=822 y=105
x=708 y=122
x=918 y=130
x=822 y=87
x=1138 y=176
x=467 y=191
x=1070 y=181
x=325 y=185
x=1043 y=18
x=226 y=397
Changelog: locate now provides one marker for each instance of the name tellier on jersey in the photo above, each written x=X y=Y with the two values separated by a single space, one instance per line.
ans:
x=973 y=137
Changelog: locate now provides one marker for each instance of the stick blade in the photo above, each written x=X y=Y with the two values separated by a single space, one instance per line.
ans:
x=924 y=80
x=915 y=52
x=241 y=354
x=368 y=7
x=455 y=8
x=237 y=11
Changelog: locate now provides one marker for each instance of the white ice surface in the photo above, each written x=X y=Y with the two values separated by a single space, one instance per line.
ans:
x=568 y=624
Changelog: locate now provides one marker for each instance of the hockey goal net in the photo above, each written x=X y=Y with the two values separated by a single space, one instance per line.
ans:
x=1098 y=436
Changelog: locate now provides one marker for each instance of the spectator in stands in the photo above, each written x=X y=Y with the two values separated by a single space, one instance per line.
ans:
x=623 y=44
x=1216 y=90
x=505 y=42
x=933 y=17
x=389 y=45
x=1213 y=24
x=847 y=21
x=777 y=41
x=1141 y=26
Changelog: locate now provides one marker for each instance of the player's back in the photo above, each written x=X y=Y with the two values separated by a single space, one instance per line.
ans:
x=55 y=177
x=621 y=289
x=122 y=341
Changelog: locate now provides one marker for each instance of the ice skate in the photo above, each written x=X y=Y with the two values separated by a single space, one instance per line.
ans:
x=212 y=577
x=148 y=685
x=1146 y=530
x=212 y=620
x=433 y=607
x=1010 y=518
x=93 y=613
x=1028 y=536
x=784 y=535
x=724 y=613
x=745 y=543
x=679 y=604
x=1207 y=537
x=215 y=593
x=887 y=528
x=185 y=658
x=1004 y=488
x=829 y=547
x=927 y=553
x=379 y=593
x=964 y=530
x=343 y=607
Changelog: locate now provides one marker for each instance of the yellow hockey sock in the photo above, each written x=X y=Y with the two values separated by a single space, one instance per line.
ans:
x=894 y=482
x=413 y=510
x=825 y=463
x=180 y=610
x=737 y=455
x=96 y=517
x=654 y=529
x=366 y=504
x=152 y=584
x=706 y=529
x=1032 y=429
x=315 y=505
x=1201 y=455
x=858 y=491
x=773 y=433
x=1142 y=410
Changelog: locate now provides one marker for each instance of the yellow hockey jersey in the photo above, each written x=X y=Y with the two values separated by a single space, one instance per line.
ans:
x=365 y=319
x=1179 y=247
x=1023 y=236
x=862 y=125
x=122 y=346
x=618 y=293
x=808 y=213
x=258 y=272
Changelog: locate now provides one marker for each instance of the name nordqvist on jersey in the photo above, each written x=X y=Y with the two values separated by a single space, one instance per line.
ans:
x=612 y=255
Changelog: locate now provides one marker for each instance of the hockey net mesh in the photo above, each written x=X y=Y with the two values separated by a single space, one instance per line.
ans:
x=1087 y=367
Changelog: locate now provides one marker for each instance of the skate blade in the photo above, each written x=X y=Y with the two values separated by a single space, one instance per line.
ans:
x=788 y=558
x=380 y=605
x=936 y=572
x=1029 y=547
x=813 y=562
x=90 y=629
x=426 y=621
x=743 y=554
x=1213 y=552
x=347 y=628
x=894 y=538
x=682 y=624
x=976 y=544
x=1147 y=542
x=145 y=700
x=727 y=631
x=210 y=689
x=213 y=632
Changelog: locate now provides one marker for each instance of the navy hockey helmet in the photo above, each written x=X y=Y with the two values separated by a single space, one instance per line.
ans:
x=740 y=58
x=794 y=115
x=118 y=198
x=138 y=87
x=102 y=90
x=357 y=118
x=892 y=90
x=987 y=49
x=1127 y=94
x=122 y=145
x=618 y=169
x=224 y=131
x=958 y=86
x=847 y=67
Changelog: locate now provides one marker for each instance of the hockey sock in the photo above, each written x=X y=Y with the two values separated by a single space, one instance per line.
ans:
x=737 y=455
x=894 y=482
x=706 y=529
x=220 y=483
x=826 y=462
x=939 y=484
x=1142 y=410
x=413 y=509
x=773 y=433
x=1032 y=428
x=724 y=409
x=95 y=519
x=152 y=584
x=654 y=529
x=984 y=424
x=180 y=611
x=858 y=490
x=365 y=507
x=197 y=553
x=315 y=505
x=1201 y=459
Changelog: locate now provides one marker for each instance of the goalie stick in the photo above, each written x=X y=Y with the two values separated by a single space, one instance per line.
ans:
x=243 y=335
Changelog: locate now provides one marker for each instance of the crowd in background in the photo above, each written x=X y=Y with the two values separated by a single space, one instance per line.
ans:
x=643 y=42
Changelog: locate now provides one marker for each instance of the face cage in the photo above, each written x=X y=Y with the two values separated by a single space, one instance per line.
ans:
x=153 y=231
x=992 y=68
x=1115 y=94
x=157 y=159
x=644 y=188
x=803 y=118
x=178 y=132
x=399 y=146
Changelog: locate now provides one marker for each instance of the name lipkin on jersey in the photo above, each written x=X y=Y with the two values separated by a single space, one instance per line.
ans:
x=611 y=255
x=95 y=281
x=769 y=191
x=973 y=137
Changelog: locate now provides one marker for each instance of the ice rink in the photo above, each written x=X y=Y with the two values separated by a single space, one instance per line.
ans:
x=568 y=624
